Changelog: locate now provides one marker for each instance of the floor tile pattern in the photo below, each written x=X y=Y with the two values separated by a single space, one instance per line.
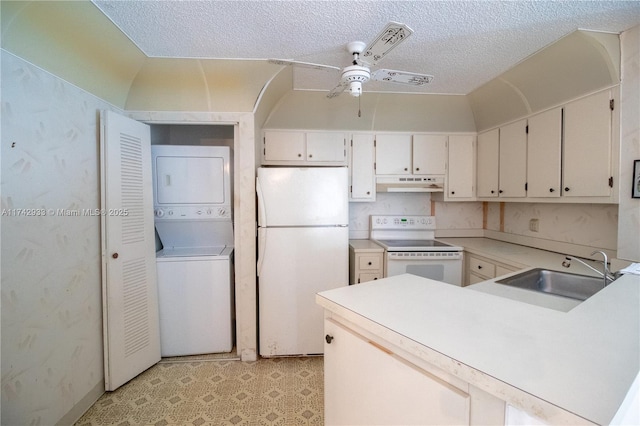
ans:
x=278 y=391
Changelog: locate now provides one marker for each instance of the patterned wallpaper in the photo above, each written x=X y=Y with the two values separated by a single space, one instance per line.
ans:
x=51 y=275
x=592 y=225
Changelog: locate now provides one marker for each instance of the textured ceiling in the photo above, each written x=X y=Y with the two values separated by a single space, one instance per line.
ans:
x=463 y=44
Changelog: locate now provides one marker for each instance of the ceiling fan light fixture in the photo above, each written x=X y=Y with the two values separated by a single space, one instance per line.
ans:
x=355 y=88
x=354 y=76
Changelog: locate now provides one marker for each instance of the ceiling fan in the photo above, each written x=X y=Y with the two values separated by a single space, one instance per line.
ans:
x=366 y=56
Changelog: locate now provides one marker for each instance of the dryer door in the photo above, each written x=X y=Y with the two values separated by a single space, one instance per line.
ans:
x=190 y=180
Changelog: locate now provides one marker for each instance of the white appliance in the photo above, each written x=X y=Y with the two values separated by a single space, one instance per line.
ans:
x=192 y=207
x=410 y=247
x=303 y=248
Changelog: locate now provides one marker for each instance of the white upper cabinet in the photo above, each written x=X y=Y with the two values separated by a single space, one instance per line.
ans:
x=363 y=183
x=513 y=160
x=322 y=147
x=284 y=146
x=429 y=154
x=406 y=154
x=544 y=153
x=566 y=154
x=461 y=167
x=304 y=148
x=393 y=154
x=587 y=147
x=488 y=163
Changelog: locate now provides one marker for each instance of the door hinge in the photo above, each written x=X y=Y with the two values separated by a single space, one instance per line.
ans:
x=611 y=104
x=611 y=181
x=526 y=186
x=526 y=129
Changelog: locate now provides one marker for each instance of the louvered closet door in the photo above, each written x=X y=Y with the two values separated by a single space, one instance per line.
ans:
x=130 y=298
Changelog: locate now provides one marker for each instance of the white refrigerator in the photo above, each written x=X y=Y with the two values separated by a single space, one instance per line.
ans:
x=303 y=248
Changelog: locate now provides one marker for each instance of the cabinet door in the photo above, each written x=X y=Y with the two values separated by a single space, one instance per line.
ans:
x=372 y=276
x=544 y=153
x=367 y=384
x=488 y=157
x=429 y=154
x=326 y=147
x=513 y=160
x=362 y=168
x=393 y=154
x=587 y=147
x=284 y=146
x=461 y=171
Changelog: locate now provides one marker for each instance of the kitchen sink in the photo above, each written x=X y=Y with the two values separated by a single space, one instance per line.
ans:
x=574 y=286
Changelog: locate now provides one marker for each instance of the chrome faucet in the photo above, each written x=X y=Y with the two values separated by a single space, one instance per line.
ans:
x=606 y=276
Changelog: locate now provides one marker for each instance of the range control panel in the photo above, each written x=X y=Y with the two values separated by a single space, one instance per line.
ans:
x=403 y=222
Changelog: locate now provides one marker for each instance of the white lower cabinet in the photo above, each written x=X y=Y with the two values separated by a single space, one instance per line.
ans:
x=480 y=269
x=367 y=383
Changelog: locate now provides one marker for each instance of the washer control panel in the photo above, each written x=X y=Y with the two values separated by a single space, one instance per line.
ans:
x=191 y=212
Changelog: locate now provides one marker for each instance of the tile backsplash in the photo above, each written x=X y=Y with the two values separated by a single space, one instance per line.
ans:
x=592 y=225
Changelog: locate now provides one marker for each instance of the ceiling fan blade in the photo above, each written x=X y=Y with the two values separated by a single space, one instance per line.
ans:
x=402 y=77
x=336 y=91
x=391 y=36
x=302 y=64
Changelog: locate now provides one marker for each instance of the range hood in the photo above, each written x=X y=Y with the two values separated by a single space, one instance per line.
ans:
x=409 y=183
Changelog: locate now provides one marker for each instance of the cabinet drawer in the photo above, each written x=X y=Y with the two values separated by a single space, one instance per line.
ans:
x=368 y=276
x=369 y=262
x=475 y=278
x=482 y=267
x=503 y=270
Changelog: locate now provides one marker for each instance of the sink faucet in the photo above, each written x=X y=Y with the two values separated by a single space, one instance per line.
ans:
x=606 y=276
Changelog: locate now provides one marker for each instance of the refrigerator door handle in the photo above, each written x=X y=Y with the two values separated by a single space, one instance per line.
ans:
x=262 y=237
x=261 y=208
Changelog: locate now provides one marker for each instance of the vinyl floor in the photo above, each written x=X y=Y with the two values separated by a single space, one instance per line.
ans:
x=205 y=391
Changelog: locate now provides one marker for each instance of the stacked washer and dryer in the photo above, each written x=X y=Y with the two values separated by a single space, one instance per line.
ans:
x=192 y=207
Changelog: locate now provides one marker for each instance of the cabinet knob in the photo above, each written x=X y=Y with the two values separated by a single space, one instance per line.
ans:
x=299 y=155
x=405 y=169
x=368 y=192
x=551 y=190
x=310 y=155
x=328 y=338
x=453 y=192
x=115 y=255
x=493 y=192
x=566 y=188
x=479 y=266
x=369 y=263
x=417 y=169
x=500 y=191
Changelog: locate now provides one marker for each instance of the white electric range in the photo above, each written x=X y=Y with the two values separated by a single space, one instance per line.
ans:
x=410 y=247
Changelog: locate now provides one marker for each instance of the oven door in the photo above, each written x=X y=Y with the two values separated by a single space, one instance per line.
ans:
x=445 y=266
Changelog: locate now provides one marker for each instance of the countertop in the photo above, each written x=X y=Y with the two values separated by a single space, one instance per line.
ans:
x=583 y=361
x=520 y=256
x=365 y=246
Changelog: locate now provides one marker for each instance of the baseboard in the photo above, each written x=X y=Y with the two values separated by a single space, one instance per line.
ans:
x=82 y=406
